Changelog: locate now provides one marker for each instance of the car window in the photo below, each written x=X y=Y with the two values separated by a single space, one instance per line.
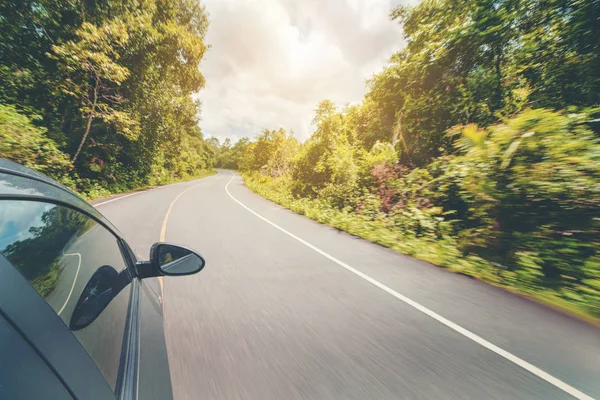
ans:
x=77 y=266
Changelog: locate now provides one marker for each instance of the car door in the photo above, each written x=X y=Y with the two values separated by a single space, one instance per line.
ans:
x=67 y=288
x=25 y=374
x=154 y=373
x=154 y=379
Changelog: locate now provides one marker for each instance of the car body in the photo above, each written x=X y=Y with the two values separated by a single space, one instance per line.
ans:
x=80 y=315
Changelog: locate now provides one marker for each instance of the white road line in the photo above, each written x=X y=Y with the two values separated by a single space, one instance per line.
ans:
x=144 y=191
x=74 y=280
x=117 y=198
x=465 y=332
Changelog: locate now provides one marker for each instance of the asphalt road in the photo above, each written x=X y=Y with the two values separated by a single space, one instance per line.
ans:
x=287 y=308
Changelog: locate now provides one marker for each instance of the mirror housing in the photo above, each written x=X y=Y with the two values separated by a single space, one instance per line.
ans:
x=170 y=260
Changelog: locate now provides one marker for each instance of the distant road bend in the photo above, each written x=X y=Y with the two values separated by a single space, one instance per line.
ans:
x=287 y=308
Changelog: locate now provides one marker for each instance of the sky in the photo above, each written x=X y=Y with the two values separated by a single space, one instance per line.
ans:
x=271 y=62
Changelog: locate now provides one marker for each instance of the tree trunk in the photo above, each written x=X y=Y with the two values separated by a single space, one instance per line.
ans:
x=499 y=89
x=398 y=136
x=397 y=130
x=89 y=123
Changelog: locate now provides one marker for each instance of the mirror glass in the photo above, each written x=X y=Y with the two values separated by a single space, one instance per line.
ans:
x=176 y=260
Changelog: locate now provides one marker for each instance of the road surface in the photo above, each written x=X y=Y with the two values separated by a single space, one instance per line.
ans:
x=287 y=308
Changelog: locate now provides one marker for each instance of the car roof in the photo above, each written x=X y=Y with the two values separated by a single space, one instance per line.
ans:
x=18 y=181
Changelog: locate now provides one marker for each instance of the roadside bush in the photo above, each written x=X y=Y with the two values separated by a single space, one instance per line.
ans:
x=532 y=188
x=23 y=142
x=517 y=205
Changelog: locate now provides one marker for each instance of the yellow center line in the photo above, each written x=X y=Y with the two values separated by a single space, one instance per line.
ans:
x=163 y=230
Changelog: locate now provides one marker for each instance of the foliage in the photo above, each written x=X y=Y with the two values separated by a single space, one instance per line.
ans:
x=112 y=85
x=29 y=145
x=93 y=75
x=226 y=155
x=532 y=189
x=477 y=61
x=272 y=151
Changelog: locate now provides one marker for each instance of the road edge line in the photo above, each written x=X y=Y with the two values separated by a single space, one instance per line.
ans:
x=145 y=191
x=117 y=198
x=455 y=327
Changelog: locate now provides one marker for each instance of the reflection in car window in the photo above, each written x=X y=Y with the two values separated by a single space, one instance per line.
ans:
x=76 y=265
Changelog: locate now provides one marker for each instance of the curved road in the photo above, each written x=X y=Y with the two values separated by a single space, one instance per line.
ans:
x=287 y=308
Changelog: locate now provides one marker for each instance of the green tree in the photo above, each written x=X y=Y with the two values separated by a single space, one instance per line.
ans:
x=93 y=76
x=112 y=83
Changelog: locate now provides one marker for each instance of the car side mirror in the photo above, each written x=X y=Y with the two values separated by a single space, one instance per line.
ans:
x=170 y=260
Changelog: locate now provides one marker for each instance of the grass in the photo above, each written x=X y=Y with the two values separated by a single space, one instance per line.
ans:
x=442 y=252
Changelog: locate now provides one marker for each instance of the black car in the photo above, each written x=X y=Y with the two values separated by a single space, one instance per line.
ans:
x=80 y=315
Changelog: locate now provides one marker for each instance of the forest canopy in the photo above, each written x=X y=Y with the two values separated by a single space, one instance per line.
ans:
x=99 y=94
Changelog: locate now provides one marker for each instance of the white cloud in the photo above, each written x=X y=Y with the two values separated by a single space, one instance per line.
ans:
x=272 y=61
